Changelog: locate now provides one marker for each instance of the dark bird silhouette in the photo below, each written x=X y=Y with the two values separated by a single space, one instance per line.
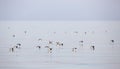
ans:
x=112 y=41
x=74 y=49
x=50 y=50
x=93 y=48
x=81 y=42
x=12 y=49
x=39 y=47
x=18 y=44
x=13 y=35
x=50 y=42
x=39 y=39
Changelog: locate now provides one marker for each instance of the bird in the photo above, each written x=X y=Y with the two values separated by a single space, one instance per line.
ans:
x=46 y=46
x=74 y=49
x=18 y=44
x=93 y=48
x=25 y=32
x=59 y=44
x=8 y=27
x=81 y=42
x=54 y=32
x=13 y=35
x=49 y=50
x=11 y=49
x=39 y=39
x=112 y=41
x=16 y=47
x=50 y=42
x=76 y=32
x=38 y=47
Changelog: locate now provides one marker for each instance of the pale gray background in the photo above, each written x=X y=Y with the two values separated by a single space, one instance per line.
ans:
x=59 y=9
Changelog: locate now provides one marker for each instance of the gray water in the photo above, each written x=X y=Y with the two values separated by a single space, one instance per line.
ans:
x=98 y=33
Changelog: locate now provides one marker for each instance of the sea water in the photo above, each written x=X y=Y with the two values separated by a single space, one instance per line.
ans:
x=93 y=33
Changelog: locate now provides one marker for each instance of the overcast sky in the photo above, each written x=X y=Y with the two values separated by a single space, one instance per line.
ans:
x=59 y=9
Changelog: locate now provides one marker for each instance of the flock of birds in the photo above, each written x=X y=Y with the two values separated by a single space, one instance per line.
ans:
x=55 y=43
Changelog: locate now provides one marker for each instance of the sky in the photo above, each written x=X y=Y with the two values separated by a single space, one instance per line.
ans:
x=59 y=9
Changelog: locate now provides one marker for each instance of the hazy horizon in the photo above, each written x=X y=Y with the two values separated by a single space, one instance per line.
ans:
x=60 y=10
